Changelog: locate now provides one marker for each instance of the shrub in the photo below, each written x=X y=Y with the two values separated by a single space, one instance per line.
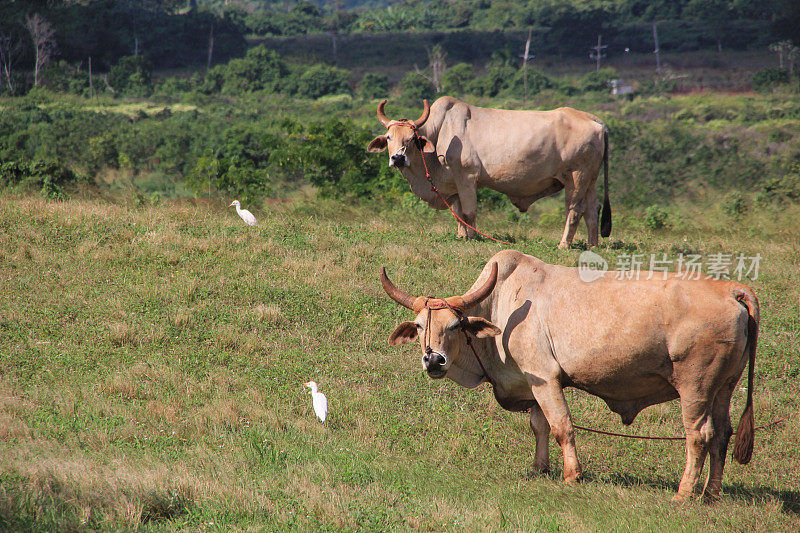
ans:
x=214 y=80
x=496 y=79
x=597 y=80
x=48 y=176
x=174 y=86
x=319 y=80
x=537 y=82
x=457 y=78
x=260 y=69
x=779 y=190
x=332 y=157
x=235 y=177
x=734 y=205
x=414 y=88
x=373 y=85
x=65 y=78
x=132 y=76
x=768 y=78
x=51 y=190
x=655 y=217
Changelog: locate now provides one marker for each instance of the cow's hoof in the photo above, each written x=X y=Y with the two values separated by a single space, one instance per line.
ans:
x=538 y=470
x=678 y=498
x=563 y=246
x=574 y=479
x=710 y=497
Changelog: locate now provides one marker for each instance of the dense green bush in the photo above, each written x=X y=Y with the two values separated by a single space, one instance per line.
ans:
x=261 y=69
x=319 y=80
x=333 y=157
x=174 y=86
x=234 y=177
x=50 y=177
x=778 y=190
x=537 y=82
x=132 y=76
x=373 y=85
x=65 y=78
x=498 y=77
x=768 y=78
x=456 y=79
x=256 y=152
x=734 y=204
x=302 y=18
x=414 y=88
x=597 y=80
x=655 y=217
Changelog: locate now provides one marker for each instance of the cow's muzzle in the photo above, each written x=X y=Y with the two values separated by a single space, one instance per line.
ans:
x=434 y=363
x=398 y=160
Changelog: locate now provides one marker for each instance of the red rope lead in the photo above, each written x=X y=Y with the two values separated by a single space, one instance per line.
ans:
x=434 y=189
x=659 y=438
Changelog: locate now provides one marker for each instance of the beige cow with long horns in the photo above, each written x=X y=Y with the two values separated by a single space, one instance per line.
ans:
x=526 y=155
x=537 y=328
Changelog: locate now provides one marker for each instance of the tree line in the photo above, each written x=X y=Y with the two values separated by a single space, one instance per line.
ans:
x=175 y=33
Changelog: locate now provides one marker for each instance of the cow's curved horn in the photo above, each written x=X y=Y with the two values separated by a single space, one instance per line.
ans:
x=382 y=116
x=426 y=111
x=406 y=300
x=482 y=292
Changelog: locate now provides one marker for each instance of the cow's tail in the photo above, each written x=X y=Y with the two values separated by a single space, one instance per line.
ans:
x=743 y=447
x=605 y=218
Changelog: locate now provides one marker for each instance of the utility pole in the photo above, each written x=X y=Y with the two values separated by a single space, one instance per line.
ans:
x=210 y=55
x=656 y=51
x=525 y=66
x=91 y=82
x=598 y=52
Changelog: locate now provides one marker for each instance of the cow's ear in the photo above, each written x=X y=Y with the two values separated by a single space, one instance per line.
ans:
x=378 y=144
x=481 y=328
x=404 y=333
x=427 y=146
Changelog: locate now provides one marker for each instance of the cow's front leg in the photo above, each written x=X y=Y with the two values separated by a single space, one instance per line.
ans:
x=541 y=431
x=466 y=207
x=574 y=210
x=550 y=397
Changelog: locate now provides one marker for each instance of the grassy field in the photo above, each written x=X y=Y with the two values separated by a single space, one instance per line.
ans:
x=151 y=361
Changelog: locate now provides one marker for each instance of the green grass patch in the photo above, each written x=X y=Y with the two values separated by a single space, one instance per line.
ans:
x=151 y=361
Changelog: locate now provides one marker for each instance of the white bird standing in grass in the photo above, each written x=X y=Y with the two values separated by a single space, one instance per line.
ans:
x=246 y=215
x=319 y=400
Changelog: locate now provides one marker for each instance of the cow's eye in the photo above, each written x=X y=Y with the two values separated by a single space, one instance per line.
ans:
x=418 y=326
x=453 y=326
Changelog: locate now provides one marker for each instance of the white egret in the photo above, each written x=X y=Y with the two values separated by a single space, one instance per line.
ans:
x=246 y=215
x=319 y=400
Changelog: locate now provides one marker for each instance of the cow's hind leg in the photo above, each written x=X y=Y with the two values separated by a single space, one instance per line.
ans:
x=541 y=430
x=592 y=216
x=698 y=425
x=718 y=447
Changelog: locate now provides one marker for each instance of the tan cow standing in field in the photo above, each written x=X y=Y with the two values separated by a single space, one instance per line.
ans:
x=538 y=328
x=526 y=155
